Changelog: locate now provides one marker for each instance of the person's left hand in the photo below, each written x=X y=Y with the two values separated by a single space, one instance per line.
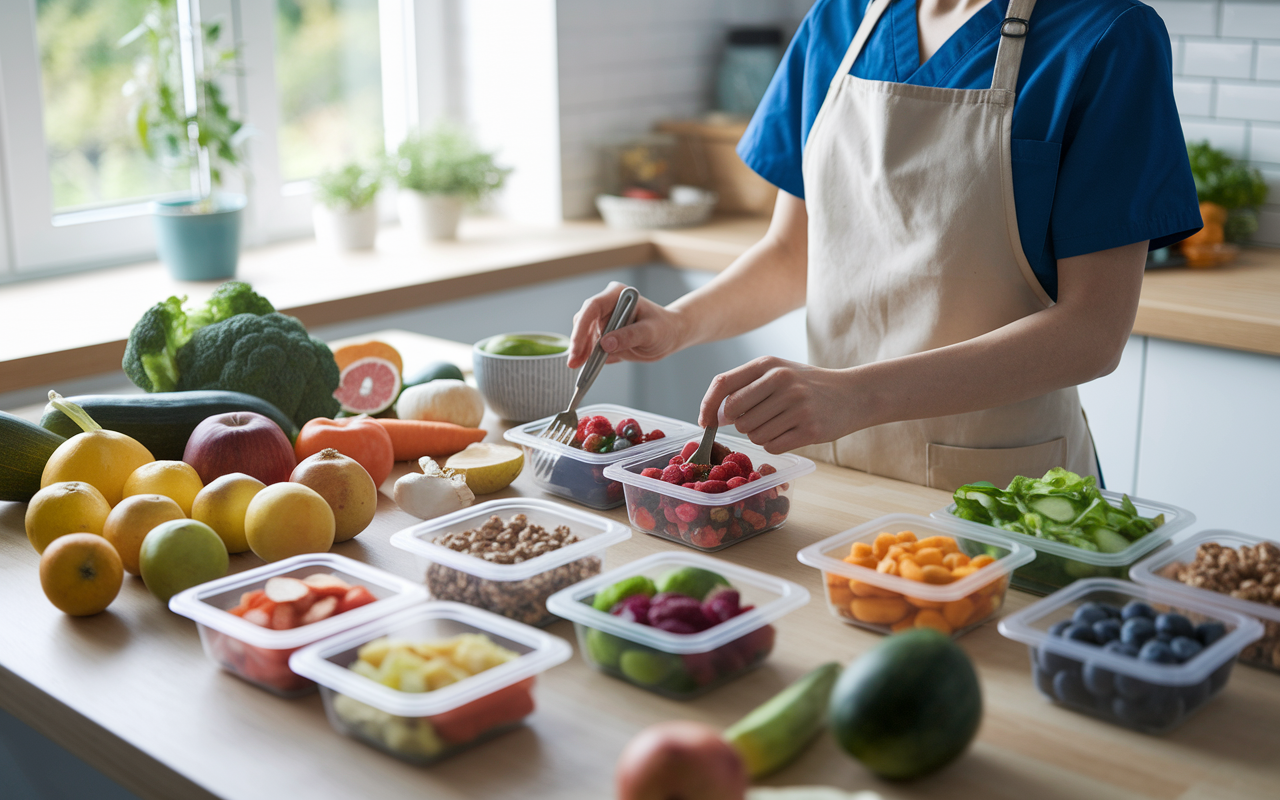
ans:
x=781 y=405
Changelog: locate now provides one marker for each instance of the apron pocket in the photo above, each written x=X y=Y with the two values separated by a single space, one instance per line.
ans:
x=949 y=468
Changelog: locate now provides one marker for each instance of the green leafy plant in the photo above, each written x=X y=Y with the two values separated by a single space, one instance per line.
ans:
x=1237 y=187
x=350 y=187
x=207 y=142
x=446 y=160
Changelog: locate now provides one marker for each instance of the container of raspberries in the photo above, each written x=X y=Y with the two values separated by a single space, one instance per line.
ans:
x=744 y=492
x=677 y=623
x=606 y=435
x=251 y=622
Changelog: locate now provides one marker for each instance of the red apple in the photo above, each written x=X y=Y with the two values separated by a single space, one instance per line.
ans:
x=680 y=759
x=240 y=441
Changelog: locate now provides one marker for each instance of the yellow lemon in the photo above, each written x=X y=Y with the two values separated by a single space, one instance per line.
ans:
x=176 y=480
x=62 y=508
x=288 y=519
x=130 y=522
x=222 y=505
x=81 y=574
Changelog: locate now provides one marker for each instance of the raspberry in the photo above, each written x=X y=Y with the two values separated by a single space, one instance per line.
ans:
x=599 y=425
x=594 y=443
x=708 y=536
x=714 y=487
x=630 y=429
x=755 y=476
x=654 y=435
x=687 y=512
x=689 y=450
x=676 y=460
x=724 y=472
x=652 y=472
x=643 y=519
x=691 y=472
x=672 y=474
x=736 y=481
x=670 y=514
x=582 y=428
x=742 y=460
x=766 y=469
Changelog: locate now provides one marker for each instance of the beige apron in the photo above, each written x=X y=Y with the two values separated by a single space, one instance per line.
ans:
x=913 y=245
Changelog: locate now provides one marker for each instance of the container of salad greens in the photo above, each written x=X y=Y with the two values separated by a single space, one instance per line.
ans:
x=1077 y=530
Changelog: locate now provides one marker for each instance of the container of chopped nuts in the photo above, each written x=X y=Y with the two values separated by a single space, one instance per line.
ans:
x=1235 y=570
x=508 y=556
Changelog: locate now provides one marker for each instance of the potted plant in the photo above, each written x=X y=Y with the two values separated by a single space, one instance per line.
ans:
x=439 y=172
x=1230 y=193
x=183 y=122
x=345 y=214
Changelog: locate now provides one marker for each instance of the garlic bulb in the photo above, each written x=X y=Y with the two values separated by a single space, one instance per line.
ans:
x=432 y=492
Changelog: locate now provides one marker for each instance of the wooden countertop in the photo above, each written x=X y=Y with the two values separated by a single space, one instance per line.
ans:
x=40 y=343
x=132 y=693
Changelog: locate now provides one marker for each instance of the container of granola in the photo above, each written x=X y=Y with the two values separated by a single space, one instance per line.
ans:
x=508 y=556
x=1233 y=570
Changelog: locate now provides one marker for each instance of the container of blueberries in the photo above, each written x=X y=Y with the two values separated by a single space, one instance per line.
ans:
x=1136 y=656
x=575 y=469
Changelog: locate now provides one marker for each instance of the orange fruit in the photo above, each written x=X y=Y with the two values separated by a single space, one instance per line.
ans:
x=176 y=480
x=63 y=508
x=81 y=574
x=130 y=522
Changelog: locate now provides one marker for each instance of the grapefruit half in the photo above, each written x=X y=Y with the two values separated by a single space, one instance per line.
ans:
x=368 y=385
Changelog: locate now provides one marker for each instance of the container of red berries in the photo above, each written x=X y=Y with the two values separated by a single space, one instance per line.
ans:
x=606 y=434
x=744 y=492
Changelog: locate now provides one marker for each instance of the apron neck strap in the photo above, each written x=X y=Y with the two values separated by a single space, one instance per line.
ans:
x=1013 y=37
x=869 y=20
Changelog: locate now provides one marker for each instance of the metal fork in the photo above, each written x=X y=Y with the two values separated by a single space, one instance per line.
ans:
x=564 y=425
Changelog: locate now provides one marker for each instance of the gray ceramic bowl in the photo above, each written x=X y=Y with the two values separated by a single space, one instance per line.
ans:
x=523 y=388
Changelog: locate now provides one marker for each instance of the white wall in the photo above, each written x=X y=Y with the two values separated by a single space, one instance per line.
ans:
x=1226 y=62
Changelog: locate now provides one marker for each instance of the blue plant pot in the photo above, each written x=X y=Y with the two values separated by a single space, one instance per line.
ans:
x=199 y=246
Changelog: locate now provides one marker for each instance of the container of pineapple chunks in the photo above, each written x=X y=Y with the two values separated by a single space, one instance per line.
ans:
x=432 y=680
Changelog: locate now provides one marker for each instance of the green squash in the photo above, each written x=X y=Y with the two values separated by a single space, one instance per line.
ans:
x=908 y=707
x=24 y=449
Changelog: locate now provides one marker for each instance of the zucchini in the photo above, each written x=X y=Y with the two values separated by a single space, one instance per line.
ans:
x=24 y=449
x=163 y=421
x=1058 y=509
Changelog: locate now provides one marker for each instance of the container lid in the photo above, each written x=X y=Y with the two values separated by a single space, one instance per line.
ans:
x=529 y=433
x=789 y=467
x=787 y=597
x=1175 y=519
x=1030 y=626
x=207 y=603
x=594 y=532
x=1015 y=555
x=542 y=652
x=1149 y=571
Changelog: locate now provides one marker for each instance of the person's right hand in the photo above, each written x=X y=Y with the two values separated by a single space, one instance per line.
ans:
x=654 y=332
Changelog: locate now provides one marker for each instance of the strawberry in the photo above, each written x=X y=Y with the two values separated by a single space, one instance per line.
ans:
x=643 y=519
x=652 y=472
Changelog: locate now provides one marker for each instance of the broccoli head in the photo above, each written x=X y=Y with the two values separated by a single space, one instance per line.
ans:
x=269 y=356
x=228 y=300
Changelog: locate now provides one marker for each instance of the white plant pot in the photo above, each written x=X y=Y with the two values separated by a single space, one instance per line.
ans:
x=346 y=230
x=429 y=217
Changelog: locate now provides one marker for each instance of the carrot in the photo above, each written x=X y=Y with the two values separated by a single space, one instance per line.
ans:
x=412 y=439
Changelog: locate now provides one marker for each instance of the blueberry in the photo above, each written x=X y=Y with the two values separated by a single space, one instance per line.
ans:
x=1175 y=625
x=1069 y=688
x=621 y=443
x=1135 y=608
x=1128 y=711
x=1123 y=648
x=1080 y=633
x=1157 y=652
x=1159 y=713
x=1185 y=648
x=1089 y=613
x=1210 y=632
x=1194 y=694
x=1098 y=680
x=1130 y=687
x=1043 y=680
x=1059 y=627
x=1137 y=630
x=1106 y=630
x=1053 y=663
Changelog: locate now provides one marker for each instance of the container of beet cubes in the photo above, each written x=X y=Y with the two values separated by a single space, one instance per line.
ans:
x=744 y=492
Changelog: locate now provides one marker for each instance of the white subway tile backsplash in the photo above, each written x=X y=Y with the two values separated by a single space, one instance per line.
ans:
x=1186 y=17
x=1248 y=101
x=1217 y=59
x=1268 y=62
x=1252 y=20
x=1264 y=145
x=1194 y=97
x=1226 y=136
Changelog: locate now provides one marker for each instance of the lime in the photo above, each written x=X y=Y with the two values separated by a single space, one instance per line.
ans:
x=692 y=581
x=431 y=372
x=604 y=648
x=646 y=667
x=526 y=345
x=610 y=596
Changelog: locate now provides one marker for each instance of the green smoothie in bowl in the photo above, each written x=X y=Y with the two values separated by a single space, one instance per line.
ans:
x=525 y=344
x=525 y=375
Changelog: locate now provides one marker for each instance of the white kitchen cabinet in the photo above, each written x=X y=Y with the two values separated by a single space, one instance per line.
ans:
x=1210 y=434
x=1113 y=404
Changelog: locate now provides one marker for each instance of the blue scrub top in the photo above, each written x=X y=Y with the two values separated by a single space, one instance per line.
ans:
x=1098 y=155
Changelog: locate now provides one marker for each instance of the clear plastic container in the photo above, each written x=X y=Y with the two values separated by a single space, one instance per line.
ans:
x=261 y=655
x=1058 y=565
x=1143 y=695
x=425 y=727
x=579 y=475
x=885 y=603
x=1160 y=571
x=711 y=522
x=518 y=591
x=679 y=666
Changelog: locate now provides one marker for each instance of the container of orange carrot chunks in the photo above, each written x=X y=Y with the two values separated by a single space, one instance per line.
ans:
x=905 y=571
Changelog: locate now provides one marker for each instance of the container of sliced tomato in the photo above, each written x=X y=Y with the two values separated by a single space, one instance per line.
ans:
x=251 y=622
